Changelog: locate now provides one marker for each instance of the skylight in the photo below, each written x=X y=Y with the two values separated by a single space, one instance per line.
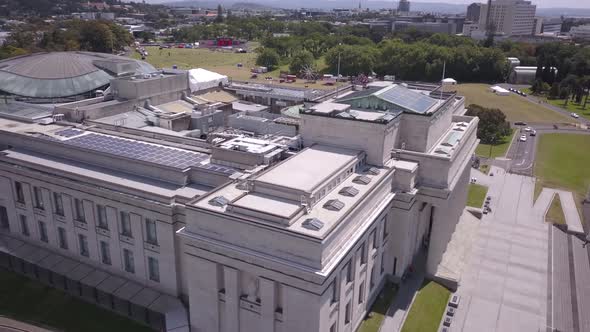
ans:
x=373 y=171
x=313 y=224
x=349 y=191
x=362 y=179
x=219 y=201
x=334 y=205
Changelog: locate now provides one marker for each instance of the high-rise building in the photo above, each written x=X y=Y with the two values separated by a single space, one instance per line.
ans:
x=403 y=6
x=473 y=11
x=508 y=17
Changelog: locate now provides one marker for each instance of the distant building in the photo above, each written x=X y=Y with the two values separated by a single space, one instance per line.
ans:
x=581 y=33
x=469 y=28
x=537 y=26
x=524 y=74
x=473 y=11
x=509 y=17
x=552 y=26
x=403 y=6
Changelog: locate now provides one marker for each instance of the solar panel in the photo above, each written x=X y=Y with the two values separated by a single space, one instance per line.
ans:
x=373 y=171
x=407 y=99
x=313 y=224
x=147 y=152
x=334 y=205
x=349 y=191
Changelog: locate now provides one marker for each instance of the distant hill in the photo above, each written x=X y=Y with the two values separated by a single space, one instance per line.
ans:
x=249 y=5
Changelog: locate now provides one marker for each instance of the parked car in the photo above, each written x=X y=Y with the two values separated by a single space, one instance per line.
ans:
x=575 y=115
x=528 y=129
x=520 y=123
x=522 y=138
x=533 y=133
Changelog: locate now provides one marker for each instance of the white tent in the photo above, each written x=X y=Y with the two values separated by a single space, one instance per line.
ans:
x=499 y=91
x=449 y=81
x=201 y=79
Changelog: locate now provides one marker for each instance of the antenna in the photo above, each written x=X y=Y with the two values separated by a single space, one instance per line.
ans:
x=442 y=82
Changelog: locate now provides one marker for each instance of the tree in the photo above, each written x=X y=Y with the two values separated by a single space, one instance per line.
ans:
x=554 y=92
x=353 y=60
x=492 y=127
x=219 y=17
x=300 y=61
x=268 y=58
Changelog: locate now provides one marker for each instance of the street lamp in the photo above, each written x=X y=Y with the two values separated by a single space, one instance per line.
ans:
x=338 y=74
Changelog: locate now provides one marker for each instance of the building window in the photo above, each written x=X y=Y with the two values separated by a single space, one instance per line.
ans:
x=101 y=211
x=363 y=253
x=83 y=242
x=63 y=240
x=105 y=253
x=20 y=194
x=128 y=260
x=373 y=237
x=382 y=262
x=394 y=265
x=59 y=204
x=79 y=210
x=385 y=232
x=150 y=226
x=362 y=292
x=333 y=328
x=334 y=291
x=348 y=269
x=23 y=225
x=372 y=278
x=43 y=232
x=38 y=196
x=154 y=269
x=4 y=224
x=347 y=314
x=126 y=224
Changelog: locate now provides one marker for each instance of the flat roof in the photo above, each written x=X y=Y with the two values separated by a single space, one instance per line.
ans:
x=309 y=168
x=268 y=204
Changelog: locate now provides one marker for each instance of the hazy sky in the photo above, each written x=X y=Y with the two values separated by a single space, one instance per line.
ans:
x=539 y=3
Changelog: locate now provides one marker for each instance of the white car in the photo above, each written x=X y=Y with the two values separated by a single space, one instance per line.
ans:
x=528 y=129
x=575 y=115
x=522 y=138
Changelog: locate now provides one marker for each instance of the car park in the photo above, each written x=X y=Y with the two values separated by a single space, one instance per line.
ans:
x=522 y=138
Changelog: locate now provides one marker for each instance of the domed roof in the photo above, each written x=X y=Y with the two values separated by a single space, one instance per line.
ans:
x=64 y=74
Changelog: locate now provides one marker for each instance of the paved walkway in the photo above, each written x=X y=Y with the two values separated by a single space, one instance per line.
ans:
x=11 y=325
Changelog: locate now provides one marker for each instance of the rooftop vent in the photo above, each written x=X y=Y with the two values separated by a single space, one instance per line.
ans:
x=219 y=201
x=313 y=224
x=349 y=191
x=362 y=179
x=373 y=171
x=334 y=205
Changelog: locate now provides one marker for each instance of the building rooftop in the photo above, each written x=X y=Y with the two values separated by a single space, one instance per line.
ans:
x=308 y=169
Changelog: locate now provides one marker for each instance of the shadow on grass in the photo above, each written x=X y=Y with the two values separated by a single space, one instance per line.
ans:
x=374 y=319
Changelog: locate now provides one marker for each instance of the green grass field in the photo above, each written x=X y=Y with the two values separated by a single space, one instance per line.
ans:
x=373 y=322
x=476 y=195
x=222 y=61
x=555 y=213
x=572 y=107
x=562 y=162
x=515 y=107
x=30 y=301
x=428 y=308
x=497 y=150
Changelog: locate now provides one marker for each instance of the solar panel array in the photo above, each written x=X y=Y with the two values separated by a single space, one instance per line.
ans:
x=152 y=153
x=408 y=99
x=70 y=132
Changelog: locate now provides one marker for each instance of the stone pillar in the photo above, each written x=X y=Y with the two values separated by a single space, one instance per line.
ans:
x=203 y=295
x=268 y=305
x=232 y=299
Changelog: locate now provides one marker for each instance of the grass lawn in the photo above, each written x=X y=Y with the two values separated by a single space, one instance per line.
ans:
x=221 y=61
x=515 y=107
x=476 y=195
x=374 y=319
x=497 y=150
x=572 y=107
x=555 y=213
x=562 y=162
x=31 y=301
x=427 y=309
